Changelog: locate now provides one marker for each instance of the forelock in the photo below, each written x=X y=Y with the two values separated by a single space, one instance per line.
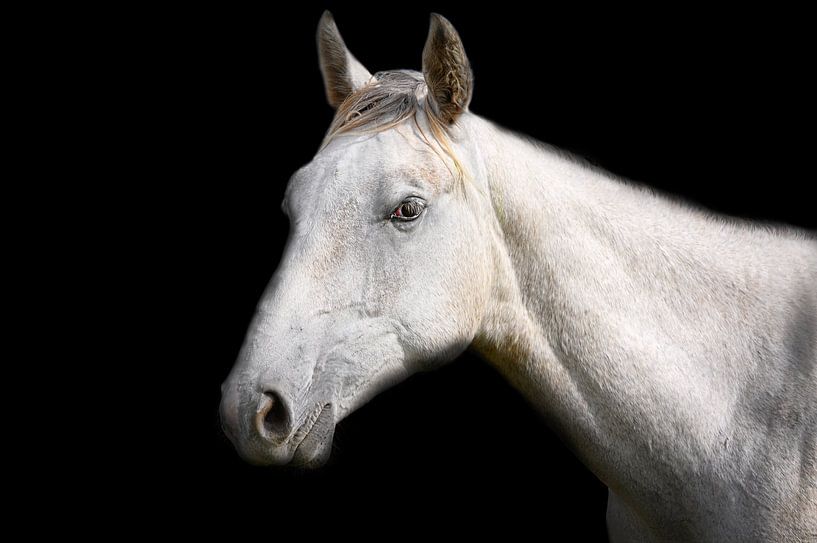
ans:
x=389 y=99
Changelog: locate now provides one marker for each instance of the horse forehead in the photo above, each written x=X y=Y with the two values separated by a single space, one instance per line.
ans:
x=370 y=160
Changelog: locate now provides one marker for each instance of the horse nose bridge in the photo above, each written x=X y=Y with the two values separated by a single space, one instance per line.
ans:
x=290 y=306
x=320 y=267
x=295 y=310
x=289 y=374
x=280 y=354
x=286 y=336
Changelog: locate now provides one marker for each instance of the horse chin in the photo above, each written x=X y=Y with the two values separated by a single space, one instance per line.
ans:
x=314 y=449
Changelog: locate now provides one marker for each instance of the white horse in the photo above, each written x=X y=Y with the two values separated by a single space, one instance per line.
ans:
x=675 y=351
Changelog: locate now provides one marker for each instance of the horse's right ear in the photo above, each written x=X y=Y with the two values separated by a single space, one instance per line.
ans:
x=342 y=73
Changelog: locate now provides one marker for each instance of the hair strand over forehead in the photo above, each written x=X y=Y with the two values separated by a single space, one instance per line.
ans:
x=388 y=100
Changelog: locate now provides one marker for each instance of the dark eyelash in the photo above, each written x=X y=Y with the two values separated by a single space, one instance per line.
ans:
x=408 y=210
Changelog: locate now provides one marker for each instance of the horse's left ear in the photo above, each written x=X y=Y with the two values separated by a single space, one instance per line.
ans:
x=342 y=73
x=446 y=70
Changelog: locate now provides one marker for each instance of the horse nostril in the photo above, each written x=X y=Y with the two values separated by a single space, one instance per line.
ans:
x=273 y=420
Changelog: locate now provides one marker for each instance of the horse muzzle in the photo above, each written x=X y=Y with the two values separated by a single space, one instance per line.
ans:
x=265 y=430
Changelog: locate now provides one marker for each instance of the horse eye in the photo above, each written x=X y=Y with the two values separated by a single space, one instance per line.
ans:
x=408 y=210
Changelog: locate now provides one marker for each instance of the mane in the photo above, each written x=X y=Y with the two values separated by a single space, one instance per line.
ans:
x=387 y=101
x=734 y=224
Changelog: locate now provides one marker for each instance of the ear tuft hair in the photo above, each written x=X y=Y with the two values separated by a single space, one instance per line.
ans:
x=446 y=70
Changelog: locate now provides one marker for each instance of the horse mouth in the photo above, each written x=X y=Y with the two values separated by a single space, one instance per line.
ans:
x=313 y=440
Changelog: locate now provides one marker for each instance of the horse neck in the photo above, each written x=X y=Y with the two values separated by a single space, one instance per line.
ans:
x=627 y=319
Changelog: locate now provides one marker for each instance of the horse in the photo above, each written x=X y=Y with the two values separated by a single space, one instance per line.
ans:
x=674 y=350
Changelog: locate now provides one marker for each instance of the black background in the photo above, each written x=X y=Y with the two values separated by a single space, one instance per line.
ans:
x=713 y=106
